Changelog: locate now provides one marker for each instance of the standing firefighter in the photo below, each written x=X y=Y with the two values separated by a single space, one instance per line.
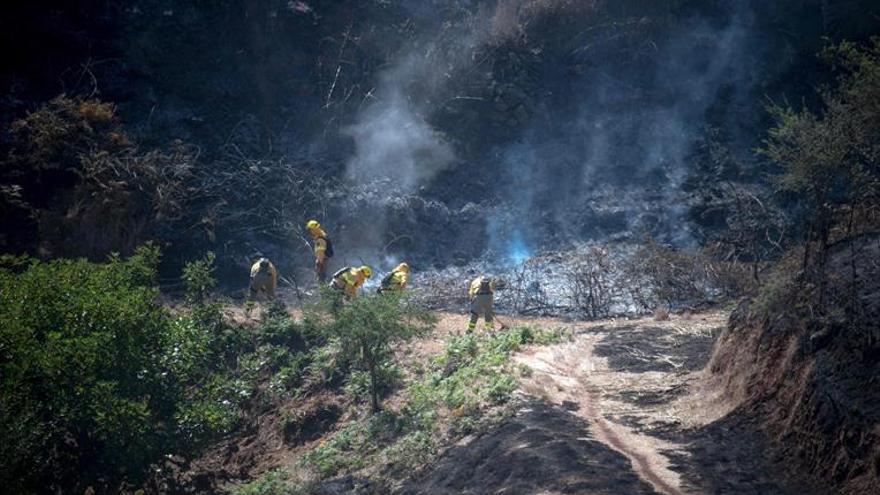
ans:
x=347 y=280
x=481 y=293
x=264 y=278
x=396 y=280
x=323 y=249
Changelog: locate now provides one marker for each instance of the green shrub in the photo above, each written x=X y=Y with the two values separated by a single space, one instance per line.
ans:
x=83 y=383
x=212 y=409
x=365 y=328
x=99 y=379
x=412 y=450
x=289 y=375
x=475 y=371
x=198 y=278
x=335 y=454
x=775 y=295
x=275 y=482
x=327 y=364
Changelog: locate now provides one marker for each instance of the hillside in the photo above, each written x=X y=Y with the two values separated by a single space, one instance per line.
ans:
x=265 y=247
x=439 y=133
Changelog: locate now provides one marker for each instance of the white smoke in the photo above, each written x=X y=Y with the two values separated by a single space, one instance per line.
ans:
x=613 y=156
x=608 y=162
x=393 y=141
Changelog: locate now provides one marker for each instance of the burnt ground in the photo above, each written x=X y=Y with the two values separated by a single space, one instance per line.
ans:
x=620 y=409
x=543 y=448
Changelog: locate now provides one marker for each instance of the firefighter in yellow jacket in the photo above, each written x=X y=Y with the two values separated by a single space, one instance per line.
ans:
x=348 y=280
x=481 y=294
x=323 y=249
x=396 y=280
x=264 y=278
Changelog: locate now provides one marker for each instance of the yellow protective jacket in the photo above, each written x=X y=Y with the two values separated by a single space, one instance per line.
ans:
x=350 y=280
x=488 y=286
x=319 y=237
x=397 y=279
x=266 y=280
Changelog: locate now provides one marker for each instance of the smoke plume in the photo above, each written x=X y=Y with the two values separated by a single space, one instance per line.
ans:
x=603 y=144
x=393 y=141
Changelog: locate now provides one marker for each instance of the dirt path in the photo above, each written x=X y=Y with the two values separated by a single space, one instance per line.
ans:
x=561 y=375
x=620 y=409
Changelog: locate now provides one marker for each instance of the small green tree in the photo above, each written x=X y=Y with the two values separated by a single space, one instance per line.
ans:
x=367 y=329
x=198 y=278
x=830 y=158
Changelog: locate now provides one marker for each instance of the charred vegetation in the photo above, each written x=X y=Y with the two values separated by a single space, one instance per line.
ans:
x=625 y=172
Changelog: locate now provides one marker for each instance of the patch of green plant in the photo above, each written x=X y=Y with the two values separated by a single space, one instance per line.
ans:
x=327 y=364
x=201 y=418
x=100 y=380
x=775 y=296
x=289 y=375
x=198 y=278
x=474 y=368
x=81 y=359
x=356 y=444
x=342 y=451
x=412 y=450
x=274 y=482
x=472 y=371
x=364 y=330
x=359 y=384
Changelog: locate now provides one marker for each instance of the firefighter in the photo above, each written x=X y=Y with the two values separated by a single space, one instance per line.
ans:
x=347 y=280
x=481 y=294
x=396 y=280
x=323 y=249
x=264 y=278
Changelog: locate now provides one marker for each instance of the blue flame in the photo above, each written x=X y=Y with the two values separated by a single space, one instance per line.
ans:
x=517 y=251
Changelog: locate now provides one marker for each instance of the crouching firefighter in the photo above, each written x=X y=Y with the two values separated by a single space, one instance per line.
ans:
x=396 y=280
x=347 y=280
x=323 y=249
x=264 y=278
x=481 y=294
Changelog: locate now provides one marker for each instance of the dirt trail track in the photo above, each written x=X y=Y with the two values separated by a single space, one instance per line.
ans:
x=619 y=409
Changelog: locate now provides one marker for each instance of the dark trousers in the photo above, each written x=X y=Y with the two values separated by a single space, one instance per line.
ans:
x=321 y=271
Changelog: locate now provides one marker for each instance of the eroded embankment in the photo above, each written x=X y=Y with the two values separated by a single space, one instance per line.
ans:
x=811 y=376
x=621 y=408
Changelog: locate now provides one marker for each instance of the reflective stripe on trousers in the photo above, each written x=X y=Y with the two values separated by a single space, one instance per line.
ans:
x=481 y=305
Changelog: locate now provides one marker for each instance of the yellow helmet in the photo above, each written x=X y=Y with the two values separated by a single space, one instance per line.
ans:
x=403 y=267
x=313 y=224
x=367 y=271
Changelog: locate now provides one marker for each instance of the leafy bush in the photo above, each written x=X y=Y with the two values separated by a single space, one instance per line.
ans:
x=275 y=482
x=779 y=293
x=471 y=370
x=198 y=278
x=99 y=380
x=334 y=454
x=828 y=158
x=83 y=383
x=365 y=329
